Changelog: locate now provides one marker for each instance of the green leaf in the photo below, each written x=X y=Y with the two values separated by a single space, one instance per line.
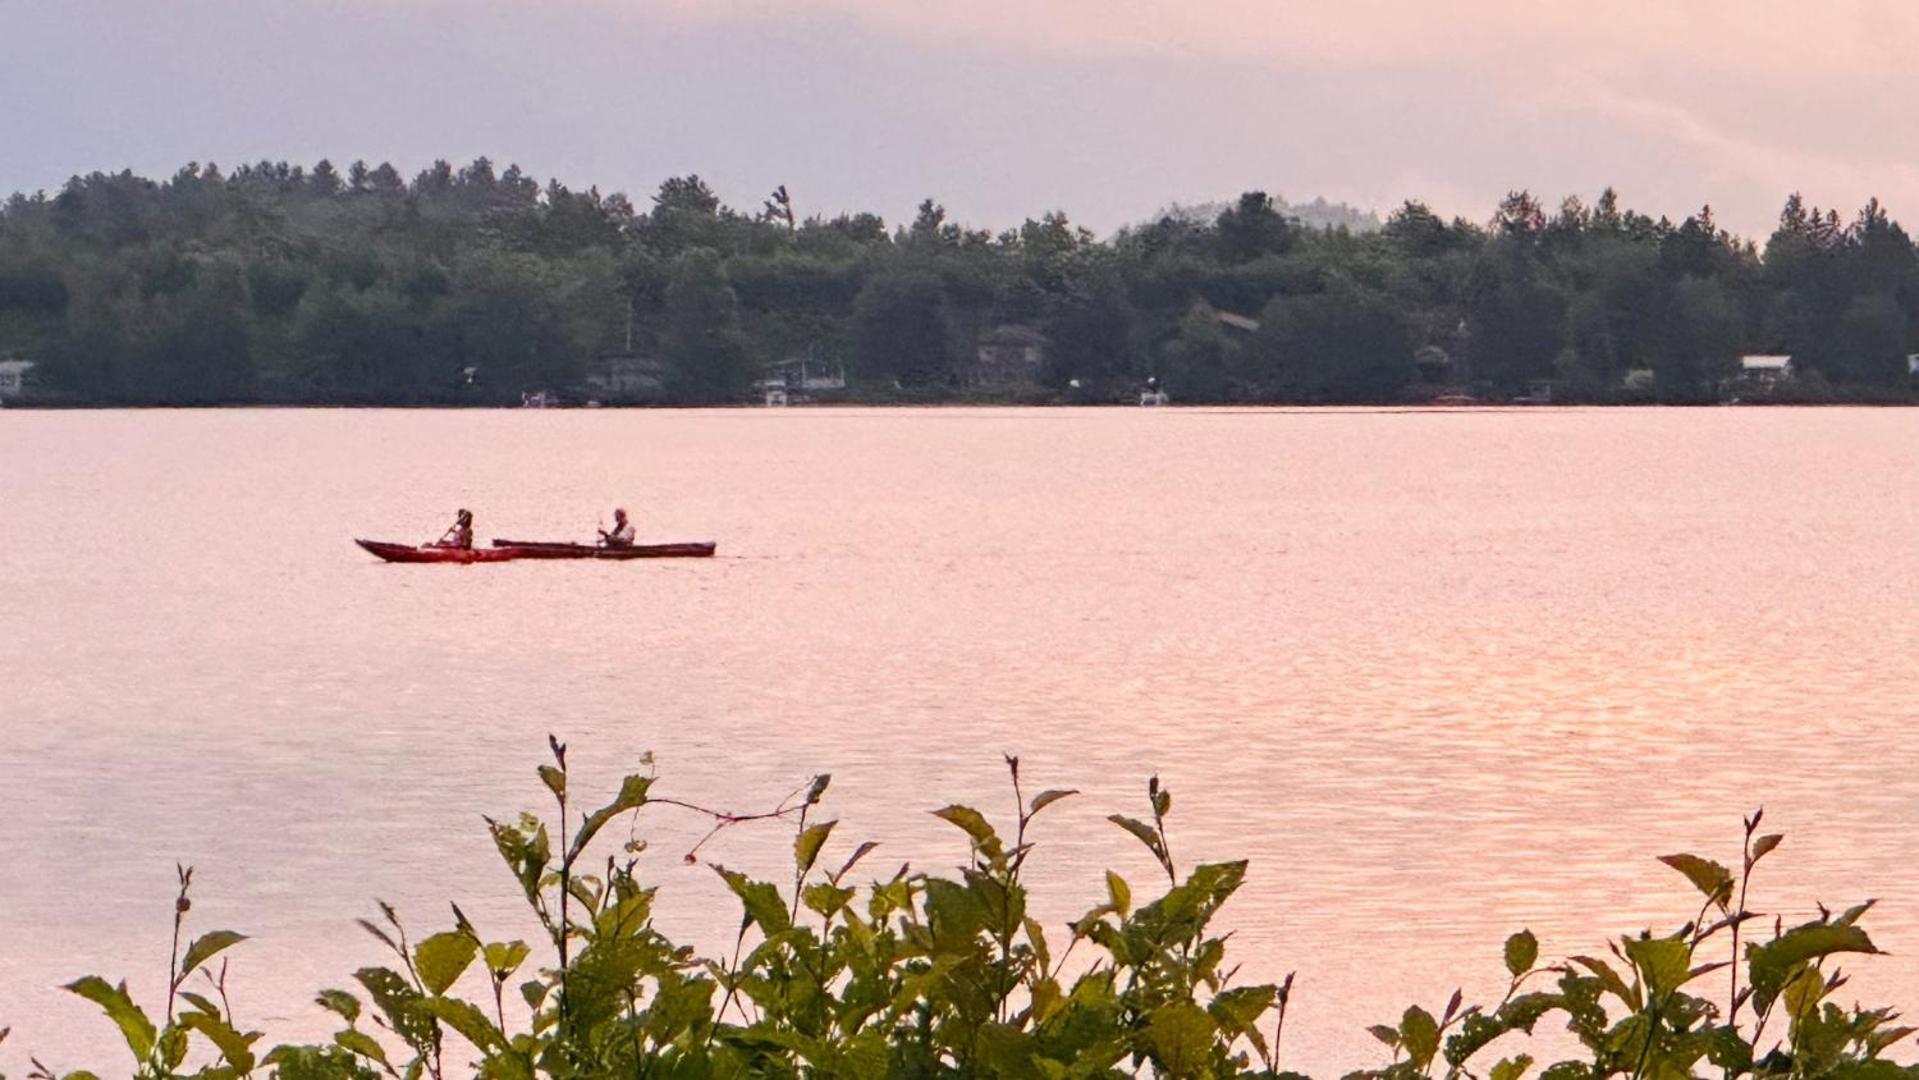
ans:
x=807 y=845
x=1773 y=963
x=632 y=796
x=359 y=1042
x=1511 y=1068
x=1764 y=845
x=466 y=1018
x=1569 y=1070
x=1239 y=1009
x=955 y=915
x=235 y=1048
x=1476 y=1029
x=208 y=946
x=1387 y=1035
x=441 y=958
x=1047 y=798
x=974 y=824
x=371 y=928
x=554 y=779
x=1609 y=979
x=526 y=849
x=1711 y=879
x=1045 y=1001
x=1036 y=935
x=1181 y=1035
x=113 y=1000
x=173 y=1047
x=1522 y=1012
x=859 y=853
x=1726 y=1046
x=399 y=1003
x=761 y=900
x=1146 y=833
x=1118 y=893
x=818 y=789
x=1522 y=951
x=200 y=1002
x=1419 y=1034
x=341 y=1002
x=826 y=898
x=1664 y=964
x=1852 y=914
x=503 y=959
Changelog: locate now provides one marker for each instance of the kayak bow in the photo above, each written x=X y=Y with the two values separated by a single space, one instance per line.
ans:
x=428 y=553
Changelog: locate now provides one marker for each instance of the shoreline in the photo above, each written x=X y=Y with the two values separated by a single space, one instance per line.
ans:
x=1195 y=406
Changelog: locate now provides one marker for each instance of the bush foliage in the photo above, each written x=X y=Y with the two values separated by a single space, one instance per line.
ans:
x=836 y=973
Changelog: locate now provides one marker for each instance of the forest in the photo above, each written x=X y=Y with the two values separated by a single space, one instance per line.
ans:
x=283 y=284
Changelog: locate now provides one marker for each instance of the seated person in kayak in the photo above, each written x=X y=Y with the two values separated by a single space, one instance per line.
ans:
x=460 y=535
x=622 y=533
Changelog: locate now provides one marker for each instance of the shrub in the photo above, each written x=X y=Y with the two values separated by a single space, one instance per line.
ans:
x=918 y=975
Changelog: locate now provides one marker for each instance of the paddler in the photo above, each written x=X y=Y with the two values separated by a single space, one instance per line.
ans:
x=460 y=535
x=621 y=534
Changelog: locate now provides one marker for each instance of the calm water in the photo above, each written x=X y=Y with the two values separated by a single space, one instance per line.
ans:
x=1440 y=675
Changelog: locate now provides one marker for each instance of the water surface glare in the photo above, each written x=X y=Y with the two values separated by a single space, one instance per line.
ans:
x=1440 y=675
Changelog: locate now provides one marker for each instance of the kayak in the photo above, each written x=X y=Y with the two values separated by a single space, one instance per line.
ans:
x=540 y=549
x=428 y=553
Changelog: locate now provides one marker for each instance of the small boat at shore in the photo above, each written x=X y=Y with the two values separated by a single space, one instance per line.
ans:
x=540 y=549
x=432 y=553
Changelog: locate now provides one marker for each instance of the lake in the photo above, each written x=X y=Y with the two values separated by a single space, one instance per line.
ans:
x=1439 y=674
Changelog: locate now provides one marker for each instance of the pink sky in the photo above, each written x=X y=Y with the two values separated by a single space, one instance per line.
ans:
x=1003 y=108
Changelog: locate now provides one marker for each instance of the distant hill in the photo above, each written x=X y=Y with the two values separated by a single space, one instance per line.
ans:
x=1317 y=214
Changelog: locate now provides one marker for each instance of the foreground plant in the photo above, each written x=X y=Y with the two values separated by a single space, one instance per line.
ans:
x=914 y=974
x=159 y=1052
x=1643 y=1013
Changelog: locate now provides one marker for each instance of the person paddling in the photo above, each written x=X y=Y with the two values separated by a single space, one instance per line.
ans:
x=460 y=535
x=621 y=534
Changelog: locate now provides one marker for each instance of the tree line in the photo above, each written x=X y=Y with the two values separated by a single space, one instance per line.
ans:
x=280 y=283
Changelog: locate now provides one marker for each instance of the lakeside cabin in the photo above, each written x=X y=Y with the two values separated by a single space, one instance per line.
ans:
x=13 y=378
x=1010 y=354
x=798 y=378
x=1765 y=369
x=626 y=379
x=1243 y=323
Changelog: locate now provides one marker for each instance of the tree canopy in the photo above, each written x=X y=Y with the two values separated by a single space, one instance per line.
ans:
x=473 y=284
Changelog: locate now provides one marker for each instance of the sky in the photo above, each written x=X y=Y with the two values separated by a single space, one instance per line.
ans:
x=1000 y=109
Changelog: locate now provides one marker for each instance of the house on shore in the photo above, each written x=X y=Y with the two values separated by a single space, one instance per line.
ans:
x=1434 y=364
x=800 y=378
x=1765 y=369
x=1011 y=354
x=13 y=378
x=1244 y=323
x=626 y=379
x=1538 y=392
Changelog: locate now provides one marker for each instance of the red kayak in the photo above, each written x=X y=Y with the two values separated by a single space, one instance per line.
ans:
x=539 y=549
x=430 y=553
